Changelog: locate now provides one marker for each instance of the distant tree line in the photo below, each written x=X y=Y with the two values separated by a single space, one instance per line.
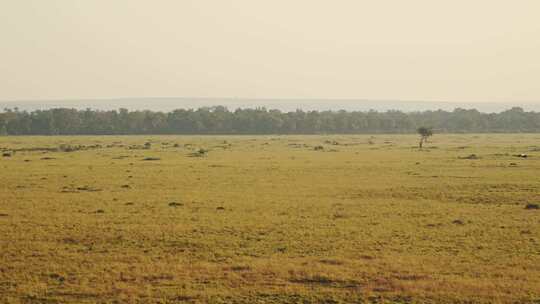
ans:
x=220 y=120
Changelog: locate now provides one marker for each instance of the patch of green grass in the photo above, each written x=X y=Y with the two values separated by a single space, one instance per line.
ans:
x=270 y=219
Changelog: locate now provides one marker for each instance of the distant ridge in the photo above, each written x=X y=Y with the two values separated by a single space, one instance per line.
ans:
x=171 y=103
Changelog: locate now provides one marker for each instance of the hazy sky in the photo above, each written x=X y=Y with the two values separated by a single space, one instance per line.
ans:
x=459 y=50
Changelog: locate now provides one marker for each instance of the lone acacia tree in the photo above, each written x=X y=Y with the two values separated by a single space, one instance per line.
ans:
x=425 y=133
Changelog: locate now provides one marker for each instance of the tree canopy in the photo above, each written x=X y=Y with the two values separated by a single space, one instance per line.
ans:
x=425 y=133
x=220 y=120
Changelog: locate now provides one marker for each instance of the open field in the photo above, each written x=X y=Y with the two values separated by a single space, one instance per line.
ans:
x=270 y=219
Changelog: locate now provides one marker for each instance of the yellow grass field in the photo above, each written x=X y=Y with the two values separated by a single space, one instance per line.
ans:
x=270 y=219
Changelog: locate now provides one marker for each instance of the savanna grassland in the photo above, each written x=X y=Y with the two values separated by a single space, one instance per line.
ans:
x=270 y=219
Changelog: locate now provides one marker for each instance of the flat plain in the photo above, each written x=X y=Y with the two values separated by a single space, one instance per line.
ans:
x=270 y=219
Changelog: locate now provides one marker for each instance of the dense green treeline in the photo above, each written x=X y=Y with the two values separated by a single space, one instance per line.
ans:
x=220 y=120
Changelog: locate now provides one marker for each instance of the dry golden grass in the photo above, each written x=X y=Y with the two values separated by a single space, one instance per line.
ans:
x=270 y=219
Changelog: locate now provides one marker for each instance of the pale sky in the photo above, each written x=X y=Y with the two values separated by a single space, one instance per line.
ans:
x=442 y=50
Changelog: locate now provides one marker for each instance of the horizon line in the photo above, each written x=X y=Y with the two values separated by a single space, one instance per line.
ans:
x=265 y=99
